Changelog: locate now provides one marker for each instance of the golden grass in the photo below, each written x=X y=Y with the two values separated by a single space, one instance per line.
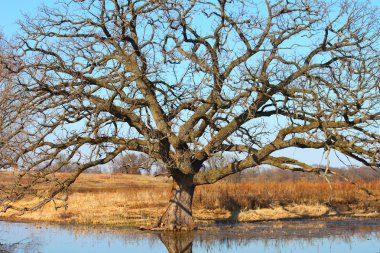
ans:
x=119 y=199
x=256 y=195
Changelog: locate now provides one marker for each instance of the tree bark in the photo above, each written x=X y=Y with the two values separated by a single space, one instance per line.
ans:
x=178 y=215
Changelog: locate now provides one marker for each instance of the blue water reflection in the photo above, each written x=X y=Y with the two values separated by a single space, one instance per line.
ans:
x=349 y=236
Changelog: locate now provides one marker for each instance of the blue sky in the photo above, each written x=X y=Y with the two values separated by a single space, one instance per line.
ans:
x=12 y=10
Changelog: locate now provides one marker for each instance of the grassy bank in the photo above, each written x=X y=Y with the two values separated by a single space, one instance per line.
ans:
x=118 y=199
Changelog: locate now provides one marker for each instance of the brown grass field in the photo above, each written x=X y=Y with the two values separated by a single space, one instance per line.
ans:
x=135 y=200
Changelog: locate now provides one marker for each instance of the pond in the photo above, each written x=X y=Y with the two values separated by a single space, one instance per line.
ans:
x=354 y=235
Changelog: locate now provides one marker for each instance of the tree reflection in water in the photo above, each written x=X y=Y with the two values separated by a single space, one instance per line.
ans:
x=291 y=236
x=273 y=235
x=178 y=242
x=29 y=246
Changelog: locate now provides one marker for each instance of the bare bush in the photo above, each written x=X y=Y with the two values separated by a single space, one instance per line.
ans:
x=132 y=163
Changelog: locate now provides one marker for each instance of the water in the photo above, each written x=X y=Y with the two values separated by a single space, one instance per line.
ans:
x=292 y=236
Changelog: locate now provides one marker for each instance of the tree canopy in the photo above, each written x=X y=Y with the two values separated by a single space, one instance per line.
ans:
x=183 y=81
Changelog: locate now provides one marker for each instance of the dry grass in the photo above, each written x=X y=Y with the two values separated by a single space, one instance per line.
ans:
x=118 y=199
x=256 y=195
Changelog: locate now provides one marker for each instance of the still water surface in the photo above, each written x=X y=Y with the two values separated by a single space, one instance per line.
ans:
x=361 y=236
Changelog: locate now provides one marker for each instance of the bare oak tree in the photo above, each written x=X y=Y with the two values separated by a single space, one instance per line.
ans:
x=183 y=81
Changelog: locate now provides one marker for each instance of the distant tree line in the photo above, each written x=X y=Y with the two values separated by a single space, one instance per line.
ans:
x=351 y=173
x=140 y=164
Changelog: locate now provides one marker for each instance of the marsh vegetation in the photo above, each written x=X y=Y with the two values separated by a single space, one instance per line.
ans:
x=137 y=200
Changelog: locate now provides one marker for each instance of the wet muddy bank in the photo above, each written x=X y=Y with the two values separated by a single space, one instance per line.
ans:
x=287 y=228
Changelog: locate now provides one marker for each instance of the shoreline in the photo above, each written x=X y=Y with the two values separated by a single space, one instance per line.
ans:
x=274 y=234
x=201 y=224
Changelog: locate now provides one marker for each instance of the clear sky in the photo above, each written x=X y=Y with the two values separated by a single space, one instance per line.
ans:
x=12 y=10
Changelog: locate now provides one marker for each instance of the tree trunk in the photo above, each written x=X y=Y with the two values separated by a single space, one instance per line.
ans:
x=178 y=215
